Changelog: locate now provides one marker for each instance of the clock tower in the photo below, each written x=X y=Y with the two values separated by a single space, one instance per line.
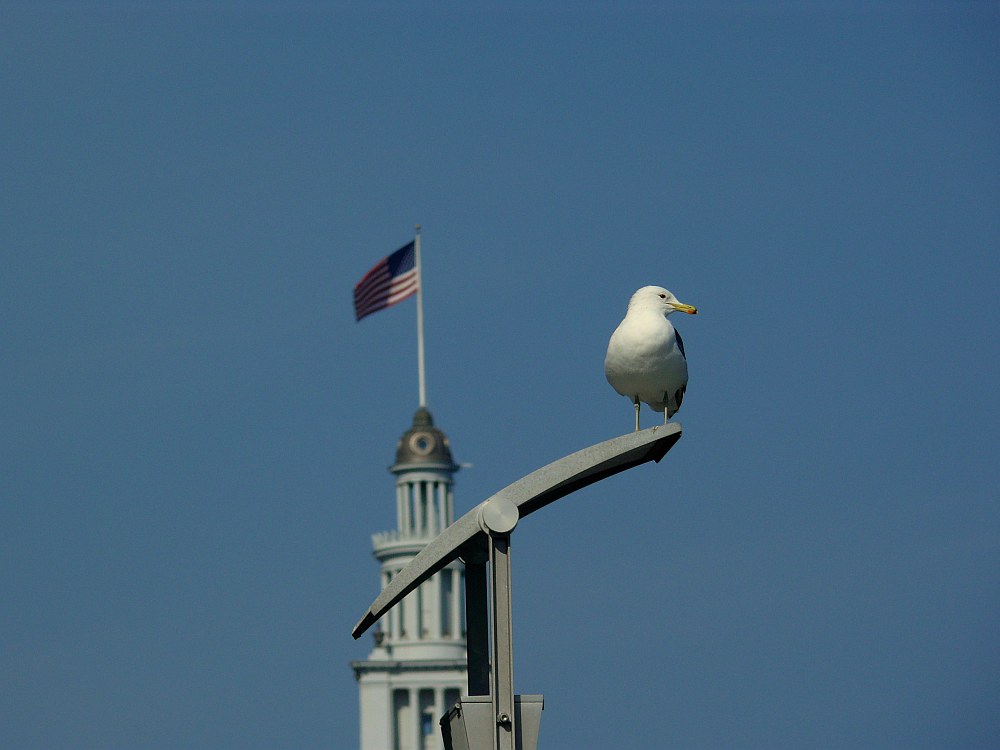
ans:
x=417 y=668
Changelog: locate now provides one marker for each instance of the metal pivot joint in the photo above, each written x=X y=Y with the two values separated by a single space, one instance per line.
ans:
x=498 y=516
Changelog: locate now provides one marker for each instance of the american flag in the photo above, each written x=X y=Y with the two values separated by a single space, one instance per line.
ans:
x=391 y=280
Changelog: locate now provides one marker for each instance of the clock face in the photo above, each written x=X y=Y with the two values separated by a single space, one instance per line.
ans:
x=422 y=443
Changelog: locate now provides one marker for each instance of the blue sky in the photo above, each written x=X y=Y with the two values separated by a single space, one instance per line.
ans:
x=196 y=431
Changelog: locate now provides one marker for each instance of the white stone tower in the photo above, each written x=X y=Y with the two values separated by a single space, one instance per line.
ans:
x=417 y=669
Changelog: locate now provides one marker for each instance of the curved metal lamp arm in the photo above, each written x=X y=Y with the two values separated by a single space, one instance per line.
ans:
x=530 y=493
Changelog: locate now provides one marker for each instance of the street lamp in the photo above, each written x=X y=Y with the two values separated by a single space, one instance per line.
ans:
x=482 y=539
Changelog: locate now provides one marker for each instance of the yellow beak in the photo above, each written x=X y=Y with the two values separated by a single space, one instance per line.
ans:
x=689 y=309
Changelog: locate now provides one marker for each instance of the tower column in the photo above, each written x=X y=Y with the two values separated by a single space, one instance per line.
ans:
x=442 y=504
x=400 y=522
x=418 y=508
x=439 y=707
x=414 y=729
x=407 y=524
x=428 y=491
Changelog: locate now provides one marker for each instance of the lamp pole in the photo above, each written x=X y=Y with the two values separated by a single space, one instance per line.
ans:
x=482 y=539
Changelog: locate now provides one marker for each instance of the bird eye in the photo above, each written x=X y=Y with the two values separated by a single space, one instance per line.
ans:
x=663 y=296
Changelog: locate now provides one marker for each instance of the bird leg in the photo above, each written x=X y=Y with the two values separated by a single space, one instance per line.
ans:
x=635 y=400
x=666 y=408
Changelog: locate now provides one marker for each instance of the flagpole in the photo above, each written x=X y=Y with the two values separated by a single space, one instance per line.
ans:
x=420 y=319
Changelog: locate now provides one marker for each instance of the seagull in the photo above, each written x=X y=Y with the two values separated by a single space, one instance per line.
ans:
x=645 y=359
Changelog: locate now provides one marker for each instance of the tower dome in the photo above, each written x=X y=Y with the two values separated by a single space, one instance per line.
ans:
x=423 y=446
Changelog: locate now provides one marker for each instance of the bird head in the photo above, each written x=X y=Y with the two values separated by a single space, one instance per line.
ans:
x=660 y=299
